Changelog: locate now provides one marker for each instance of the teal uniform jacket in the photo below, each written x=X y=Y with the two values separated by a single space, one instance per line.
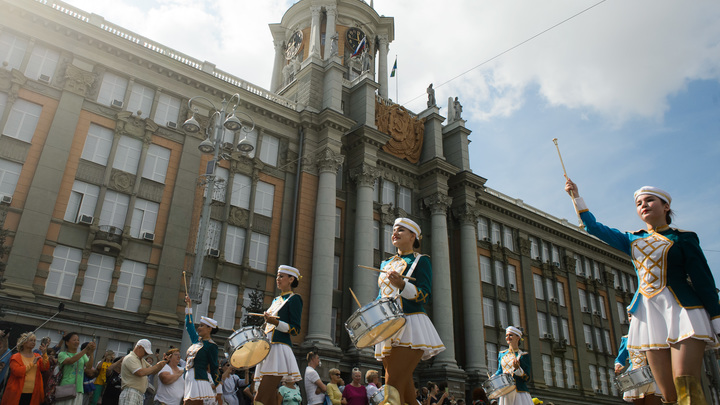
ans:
x=291 y=314
x=684 y=261
x=623 y=354
x=416 y=293
x=520 y=380
x=206 y=358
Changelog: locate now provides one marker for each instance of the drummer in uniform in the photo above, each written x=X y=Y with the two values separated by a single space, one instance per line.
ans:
x=418 y=339
x=282 y=321
x=649 y=395
x=516 y=363
x=202 y=376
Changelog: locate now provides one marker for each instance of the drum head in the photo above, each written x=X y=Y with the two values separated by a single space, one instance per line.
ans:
x=379 y=333
x=250 y=354
x=500 y=392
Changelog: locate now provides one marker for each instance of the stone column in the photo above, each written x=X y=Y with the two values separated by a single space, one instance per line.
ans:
x=472 y=300
x=277 y=78
x=382 y=76
x=441 y=286
x=364 y=282
x=315 y=32
x=321 y=288
x=331 y=11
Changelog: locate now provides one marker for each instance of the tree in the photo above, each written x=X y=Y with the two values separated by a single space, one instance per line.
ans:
x=256 y=306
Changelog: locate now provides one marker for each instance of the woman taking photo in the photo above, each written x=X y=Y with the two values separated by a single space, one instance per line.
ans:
x=282 y=321
x=516 y=363
x=74 y=364
x=25 y=385
x=171 y=388
x=434 y=395
x=202 y=376
x=355 y=393
x=676 y=296
x=418 y=340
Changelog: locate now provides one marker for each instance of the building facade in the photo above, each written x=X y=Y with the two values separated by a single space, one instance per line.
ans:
x=102 y=194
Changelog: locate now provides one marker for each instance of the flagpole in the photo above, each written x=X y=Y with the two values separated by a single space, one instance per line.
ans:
x=397 y=96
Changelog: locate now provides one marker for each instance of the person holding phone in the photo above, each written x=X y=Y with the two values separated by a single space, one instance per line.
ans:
x=25 y=384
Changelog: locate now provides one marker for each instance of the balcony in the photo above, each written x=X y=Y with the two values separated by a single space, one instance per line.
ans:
x=108 y=239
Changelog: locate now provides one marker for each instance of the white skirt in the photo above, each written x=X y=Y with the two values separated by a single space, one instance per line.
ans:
x=198 y=390
x=515 y=398
x=279 y=362
x=418 y=333
x=660 y=321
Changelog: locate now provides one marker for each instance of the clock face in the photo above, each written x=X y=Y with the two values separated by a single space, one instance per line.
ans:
x=294 y=45
x=354 y=36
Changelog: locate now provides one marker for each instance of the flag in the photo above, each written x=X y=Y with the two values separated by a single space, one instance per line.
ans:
x=360 y=47
x=392 y=74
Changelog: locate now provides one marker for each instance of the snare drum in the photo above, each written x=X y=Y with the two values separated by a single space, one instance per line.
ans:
x=636 y=378
x=375 y=322
x=377 y=398
x=499 y=385
x=247 y=347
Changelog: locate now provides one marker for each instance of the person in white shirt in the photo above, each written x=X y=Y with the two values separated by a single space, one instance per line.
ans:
x=314 y=387
x=373 y=383
x=171 y=387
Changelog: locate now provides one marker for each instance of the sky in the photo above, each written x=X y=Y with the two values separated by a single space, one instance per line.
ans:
x=631 y=89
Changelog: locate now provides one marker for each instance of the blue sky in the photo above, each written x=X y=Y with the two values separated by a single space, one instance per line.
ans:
x=630 y=89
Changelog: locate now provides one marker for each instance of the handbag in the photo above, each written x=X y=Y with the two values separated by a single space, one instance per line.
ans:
x=66 y=391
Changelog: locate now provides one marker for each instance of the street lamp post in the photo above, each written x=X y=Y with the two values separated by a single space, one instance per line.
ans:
x=220 y=118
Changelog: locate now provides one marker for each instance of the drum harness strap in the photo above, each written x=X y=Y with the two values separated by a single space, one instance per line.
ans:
x=270 y=327
x=395 y=291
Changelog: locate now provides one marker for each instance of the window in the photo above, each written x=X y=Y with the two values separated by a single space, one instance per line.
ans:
x=503 y=314
x=264 y=193
x=97 y=280
x=250 y=138
x=512 y=276
x=588 y=268
x=602 y=306
x=388 y=192
x=389 y=248
x=225 y=305
x=596 y=271
x=376 y=235
x=570 y=373
x=130 y=285
x=240 y=196
x=622 y=312
x=495 y=233
x=534 y=248
x=205 y=287
x=616 y=278
x=602 y=371
x=338 y=217
x=141 y=99
x=550 y=288
x=492 y=356
x=63 y=272
x=168 y=109
x=561 y=293
x=592 y=301
x=593 y=377
x=611 y=377
x=623 y=278
x=119 y=347
x=114 y=209
x=538 y=281
x=598 y=339
x=606 y=335
x=112 y=89
x=9 y=176
x=542 y=324
x=144 y=217
x=555 y=254
x=98 y=144
x=485 y=270
x=12 y=50
x=489 y=312
x=269 y=149
x=547 y=370
x=583 y=301
x=336 y=273
x=565 y=329
x=127 y=155
x=156 y=163
x=259 y=245
x=220 y=184
x=578 y=265
x=483 y=229
x=83 y=199
x=515 y=315
x=499 y=276
x=3 y=103
x=557 y=364
x=405 y=199
x=631 y=280
x=555 y=325
x=43 y=61
x=508 y=238
x=234 y=244
x=212 y=237
x=587 y=331
x=22 y=120
x=545 y=252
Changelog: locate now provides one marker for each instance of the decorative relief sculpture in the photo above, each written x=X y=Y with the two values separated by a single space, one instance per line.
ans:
x=79 y=81
x=406 y=130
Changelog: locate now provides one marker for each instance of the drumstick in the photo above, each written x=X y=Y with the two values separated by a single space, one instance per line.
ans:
x=185 y=282
x=355 y=296
x=383 y=271
x=256 y=314
x=566 y=178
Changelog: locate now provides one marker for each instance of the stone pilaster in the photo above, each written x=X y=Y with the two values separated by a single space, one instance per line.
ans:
x=364 y=282
x=277 y=78
x=315 y=32
x=321 y=288
x=382 y=76
x=331 y=12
